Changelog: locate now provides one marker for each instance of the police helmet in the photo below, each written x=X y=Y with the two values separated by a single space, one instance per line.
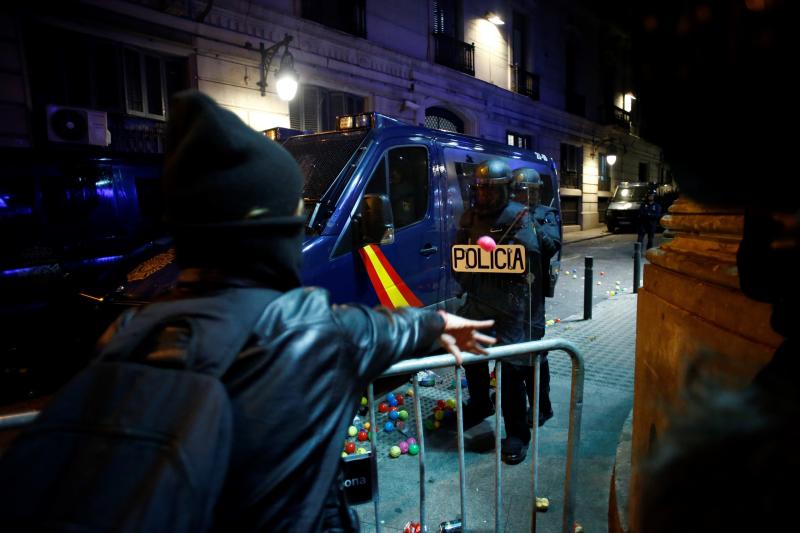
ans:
x=526 y=185
x=491 y=187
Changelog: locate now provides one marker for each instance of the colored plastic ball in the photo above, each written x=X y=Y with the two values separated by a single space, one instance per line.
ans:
x=403 y=414
x=392 y=400
x=400 y=399
x=413 y=449
x=410 y=393
x=411 y=440
x=487 y=243
x=394 y=415
x=463 y=382
x=436 y=424
x=352 y=431
x=451 y=404
x=388 y=427
x=362 y=436
x=392 y=408
x=363 y=400
x=441 y=404
x=429 y=424
x=350 y=447
x=438 y=415
x=361 y=451
x=400 y=424
x=403 y=445
x=344 y=454
x=394 y=452
x=367 y=425
x=383 y=407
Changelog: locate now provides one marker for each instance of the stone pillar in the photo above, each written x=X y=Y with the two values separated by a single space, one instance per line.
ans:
x=691 y=304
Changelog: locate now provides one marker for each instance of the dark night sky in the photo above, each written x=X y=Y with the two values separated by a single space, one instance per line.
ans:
x=713 y=77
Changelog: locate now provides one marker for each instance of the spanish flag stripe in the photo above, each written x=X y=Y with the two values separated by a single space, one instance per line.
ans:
x=397 y=298
x=408 y=295
x=383 y=298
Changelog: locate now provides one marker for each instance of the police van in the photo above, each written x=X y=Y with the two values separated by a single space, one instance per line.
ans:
x=382 y=201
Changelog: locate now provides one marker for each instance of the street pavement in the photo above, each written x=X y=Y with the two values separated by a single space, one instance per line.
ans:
x=607 y=343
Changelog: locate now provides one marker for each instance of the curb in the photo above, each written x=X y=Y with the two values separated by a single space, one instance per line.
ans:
x=581 y=239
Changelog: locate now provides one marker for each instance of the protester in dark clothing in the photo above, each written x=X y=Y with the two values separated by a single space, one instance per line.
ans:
x=649 y=215
x=505 y=297
x=232 y=200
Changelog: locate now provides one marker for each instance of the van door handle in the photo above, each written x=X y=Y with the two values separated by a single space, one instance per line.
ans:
x=428 y=250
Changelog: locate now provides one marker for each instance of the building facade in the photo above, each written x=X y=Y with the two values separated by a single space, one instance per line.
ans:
x=554 y=76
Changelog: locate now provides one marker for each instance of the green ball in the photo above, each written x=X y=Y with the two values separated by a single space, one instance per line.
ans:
x=413 y=449
x=403 y=415
x=352 y=431
x=429 y=424
x=394 y=452
x=363 y=400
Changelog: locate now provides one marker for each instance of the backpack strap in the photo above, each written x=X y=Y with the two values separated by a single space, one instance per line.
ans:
x=200 y=334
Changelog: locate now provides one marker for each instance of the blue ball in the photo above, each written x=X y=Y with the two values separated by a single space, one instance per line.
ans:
x=388 y=427
x=463 y=382
x=391 y=400
x=393 y=415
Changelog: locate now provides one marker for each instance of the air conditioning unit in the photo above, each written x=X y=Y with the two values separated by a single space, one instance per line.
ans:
x=77 y=126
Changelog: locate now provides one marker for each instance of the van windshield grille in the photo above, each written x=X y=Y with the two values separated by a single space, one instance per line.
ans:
x=322 y=158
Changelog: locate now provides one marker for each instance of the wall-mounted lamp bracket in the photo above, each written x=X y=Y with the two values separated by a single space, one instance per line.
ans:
x=267 y=54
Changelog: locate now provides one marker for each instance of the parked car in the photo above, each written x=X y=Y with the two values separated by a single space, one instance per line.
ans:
x=623 y=210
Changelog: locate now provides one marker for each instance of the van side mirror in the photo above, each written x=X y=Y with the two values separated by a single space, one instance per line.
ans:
x=375 y=223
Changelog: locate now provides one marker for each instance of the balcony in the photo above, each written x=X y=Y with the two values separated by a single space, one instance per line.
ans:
x=616 y=116
x=524 y=82
x=453 y=53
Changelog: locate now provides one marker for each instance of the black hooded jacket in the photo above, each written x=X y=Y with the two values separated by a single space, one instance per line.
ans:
x=294 y=389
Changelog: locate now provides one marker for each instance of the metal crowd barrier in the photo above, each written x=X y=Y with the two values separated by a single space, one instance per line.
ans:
x=442 y=361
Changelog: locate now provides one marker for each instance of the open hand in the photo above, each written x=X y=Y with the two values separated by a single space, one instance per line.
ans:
x=462 y=334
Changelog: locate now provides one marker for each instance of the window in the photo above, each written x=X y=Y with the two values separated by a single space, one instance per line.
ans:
x=408 y=184
x=519 y=140
x=571 y=166
x=644 y=172
x=603 y=175
x=316 y=108
x=439 y=118
x=345 y=15
x=447 y=18
x=144 y=84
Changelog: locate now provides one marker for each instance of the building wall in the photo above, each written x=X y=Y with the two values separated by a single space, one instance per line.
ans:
x=392 y=69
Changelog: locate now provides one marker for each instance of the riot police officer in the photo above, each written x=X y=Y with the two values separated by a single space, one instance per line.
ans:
x=503 y=297
x=527 y=188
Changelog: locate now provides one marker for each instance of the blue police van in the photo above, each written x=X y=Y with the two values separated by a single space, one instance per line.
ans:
x=382 y=201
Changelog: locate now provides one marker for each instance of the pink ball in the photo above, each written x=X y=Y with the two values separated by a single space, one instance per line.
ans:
x=487 y=243
x=403 y=447
x=411 y=440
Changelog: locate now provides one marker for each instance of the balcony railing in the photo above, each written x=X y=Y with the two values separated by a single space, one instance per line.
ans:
x=455 y=54
x=524 y=82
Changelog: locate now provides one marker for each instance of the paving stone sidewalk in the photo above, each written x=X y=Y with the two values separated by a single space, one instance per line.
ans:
x=607 y=343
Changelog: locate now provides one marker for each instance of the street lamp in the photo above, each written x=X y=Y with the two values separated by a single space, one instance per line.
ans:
x=494 y=18
x=611 y=155
x=286 y=83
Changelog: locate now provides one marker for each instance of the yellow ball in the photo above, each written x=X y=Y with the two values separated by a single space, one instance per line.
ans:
x=344 y=454
x=352 y=431
x=439 y=415
x=451 y=403
x=367 y=425
x=361 y=451
x=394 y=452
x=437 y=424
x=410 y=392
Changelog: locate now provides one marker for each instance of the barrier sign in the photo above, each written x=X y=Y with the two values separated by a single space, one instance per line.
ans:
x=504 y=259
